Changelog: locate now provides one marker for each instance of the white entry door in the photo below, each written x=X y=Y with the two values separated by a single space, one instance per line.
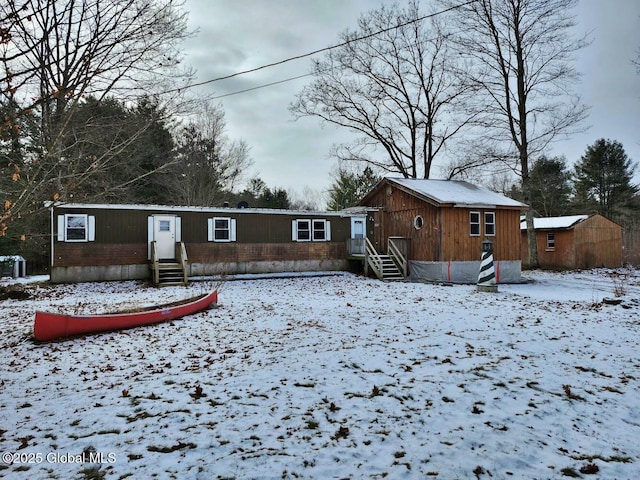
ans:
x=358 y=231
x=164 y=233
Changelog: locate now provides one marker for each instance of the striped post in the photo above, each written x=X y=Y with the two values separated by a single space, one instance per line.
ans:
x=487 y=275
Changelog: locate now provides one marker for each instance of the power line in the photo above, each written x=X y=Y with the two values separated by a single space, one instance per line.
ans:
x=261 y=86
x=315 y=52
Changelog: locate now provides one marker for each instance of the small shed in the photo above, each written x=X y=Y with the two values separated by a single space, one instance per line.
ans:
x=440 y=226
x=12 y=266
x=575 y=242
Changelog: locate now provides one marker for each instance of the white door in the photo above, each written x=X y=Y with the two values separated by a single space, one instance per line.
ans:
x=358 y=231
x=164 y=233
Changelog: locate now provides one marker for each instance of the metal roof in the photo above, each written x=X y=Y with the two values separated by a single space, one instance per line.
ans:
x=455 y=192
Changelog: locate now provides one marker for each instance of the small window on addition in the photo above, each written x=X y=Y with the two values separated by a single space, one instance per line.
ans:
x=551 y=242
x=418 y=222
x=489 y=224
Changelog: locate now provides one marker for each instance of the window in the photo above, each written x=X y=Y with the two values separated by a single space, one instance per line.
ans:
x=489 y=224
x=76 y=228
x=418 y=222
x=474 y=224
x=221 y=229
x=551 y=242
x=319 y=230
x=316 y=230
x=164 y=225
x=303 y=230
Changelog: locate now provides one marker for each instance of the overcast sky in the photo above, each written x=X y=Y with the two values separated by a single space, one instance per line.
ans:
x=237 y=35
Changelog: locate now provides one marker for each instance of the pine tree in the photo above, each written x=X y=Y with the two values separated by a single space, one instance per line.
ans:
x=549 y=186
x=603 y=181
x=349 y=187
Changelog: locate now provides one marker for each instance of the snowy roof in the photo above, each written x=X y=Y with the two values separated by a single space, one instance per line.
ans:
x=456 y=192
x=547 y=223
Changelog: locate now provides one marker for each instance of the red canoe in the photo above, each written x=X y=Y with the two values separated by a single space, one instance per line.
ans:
x=51 y=326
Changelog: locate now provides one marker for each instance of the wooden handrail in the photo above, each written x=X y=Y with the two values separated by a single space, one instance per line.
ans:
x=373 y=258
x=155 y=263
x=183 y=260
x=397 y=256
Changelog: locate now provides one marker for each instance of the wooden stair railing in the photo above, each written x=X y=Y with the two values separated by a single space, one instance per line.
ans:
x=170 y=272
x=155 y=263
x=384 y=266
x=397 y=256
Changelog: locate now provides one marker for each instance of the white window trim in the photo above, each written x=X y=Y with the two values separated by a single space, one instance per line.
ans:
x=231 y=222
x=326 y=226
x=493 y=215
x=295 y=231
x=473 y=223
x=90 y=228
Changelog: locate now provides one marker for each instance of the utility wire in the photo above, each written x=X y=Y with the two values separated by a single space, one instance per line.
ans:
x=261 y=86
x=315 y=52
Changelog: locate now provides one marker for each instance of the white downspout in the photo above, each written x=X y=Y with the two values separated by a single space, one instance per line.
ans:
x=52 y=243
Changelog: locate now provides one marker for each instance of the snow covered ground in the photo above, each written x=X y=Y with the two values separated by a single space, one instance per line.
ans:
x=333 y=376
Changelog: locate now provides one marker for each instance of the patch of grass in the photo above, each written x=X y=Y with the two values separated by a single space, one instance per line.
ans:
x=312 y=424
x=172 y=448
x=140 y=416
x=92 y=473
x=304 y=385
x=571 y=395
x=569 y=472
x=612 y=390
x=197 y=392
x=343 y=432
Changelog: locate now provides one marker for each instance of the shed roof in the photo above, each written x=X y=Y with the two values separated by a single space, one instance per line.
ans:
x=550 y=223
x=454 y=193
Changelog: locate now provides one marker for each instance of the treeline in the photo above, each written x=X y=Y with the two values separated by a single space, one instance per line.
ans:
x=92 y=110
x=601 y=181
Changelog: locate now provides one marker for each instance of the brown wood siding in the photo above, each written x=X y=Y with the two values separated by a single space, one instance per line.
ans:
x=445 y=235
x=460 y=245
x=92 y=254
x=130 y=226
x=99 y=254
x=560 y=257
x=598 y=243
x=595 y=242
x=264 y=252
x=121 y=238
x=119 y=226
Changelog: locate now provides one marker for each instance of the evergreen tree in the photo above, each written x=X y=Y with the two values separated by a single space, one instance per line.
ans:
x=603 y=181
x=349 y=187
x=550 y=187
x=276 y=198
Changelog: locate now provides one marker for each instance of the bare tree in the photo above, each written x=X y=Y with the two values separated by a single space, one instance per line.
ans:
x=519 y=56
x=209 y=165
x=391 y=83
x=55 y=53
